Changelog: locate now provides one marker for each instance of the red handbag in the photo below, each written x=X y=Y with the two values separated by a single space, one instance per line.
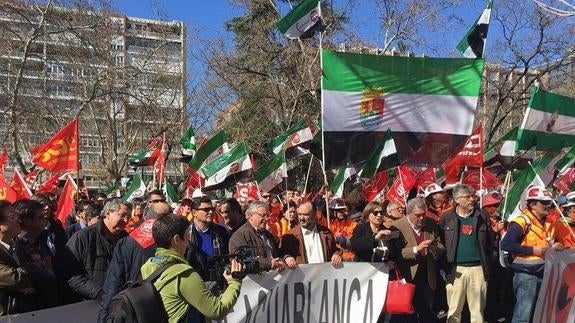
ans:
x=399 y=297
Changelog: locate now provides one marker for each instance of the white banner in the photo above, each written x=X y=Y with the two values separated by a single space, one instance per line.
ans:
x=86 y=311
x=354 y=293
x=556 y=301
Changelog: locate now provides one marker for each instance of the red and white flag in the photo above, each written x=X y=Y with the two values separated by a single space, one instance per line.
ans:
x=245 y=191
x=19 y=185
x=403 y=183
x=376 y=186
x=565 y=180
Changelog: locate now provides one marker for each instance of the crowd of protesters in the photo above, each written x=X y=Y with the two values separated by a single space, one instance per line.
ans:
x=445 y=240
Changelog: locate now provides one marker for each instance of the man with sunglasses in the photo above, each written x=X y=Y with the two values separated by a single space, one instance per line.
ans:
x=207 y=239
x=528 y=237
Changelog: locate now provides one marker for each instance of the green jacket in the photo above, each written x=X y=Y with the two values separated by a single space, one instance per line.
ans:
x=14 y=279
x=181 y=286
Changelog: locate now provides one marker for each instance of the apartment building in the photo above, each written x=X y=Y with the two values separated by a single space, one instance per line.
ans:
x=123 y=76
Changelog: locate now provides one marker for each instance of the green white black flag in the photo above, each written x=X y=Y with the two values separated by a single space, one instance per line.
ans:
x=137 y=189
x=227 y=166
x=473 y=44
x=272 y=173
x=342 y=175
x=215 y=145
x=300 y=19
x=383 y=157
x=188 y=142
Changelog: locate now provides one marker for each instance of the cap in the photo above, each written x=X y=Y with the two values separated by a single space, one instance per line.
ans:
x=538 y=193
x=561 y=200
x=492 y=198
x=337 y=204
x=431 y=189
x=198 y=193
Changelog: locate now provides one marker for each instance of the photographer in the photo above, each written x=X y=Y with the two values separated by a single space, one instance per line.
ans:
x=372 y=240
x=181 y=288
x=254 y=234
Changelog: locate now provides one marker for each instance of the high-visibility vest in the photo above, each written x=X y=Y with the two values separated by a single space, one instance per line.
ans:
x=535 y=234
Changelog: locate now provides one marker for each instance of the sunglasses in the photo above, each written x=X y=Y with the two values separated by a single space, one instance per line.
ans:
x=545 y=203
x=157 y=201
x=206 y=209
x=376 y=213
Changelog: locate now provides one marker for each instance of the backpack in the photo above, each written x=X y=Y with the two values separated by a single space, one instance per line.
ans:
x=139 y=302
x=505 y=257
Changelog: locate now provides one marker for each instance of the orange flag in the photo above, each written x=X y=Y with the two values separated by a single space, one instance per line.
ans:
x=67 y=199
x=60 y=152
x=20 y=186
x=6 y=192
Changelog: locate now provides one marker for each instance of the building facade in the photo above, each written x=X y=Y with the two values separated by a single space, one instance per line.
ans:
x=124 y=77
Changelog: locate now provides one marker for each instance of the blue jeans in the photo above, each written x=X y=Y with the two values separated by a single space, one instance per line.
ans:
x=526 y=287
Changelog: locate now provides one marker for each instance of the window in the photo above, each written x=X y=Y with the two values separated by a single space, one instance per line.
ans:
x=119 y=60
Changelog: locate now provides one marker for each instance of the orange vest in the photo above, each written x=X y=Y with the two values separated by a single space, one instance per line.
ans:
x=345 y=227
x=564 y=229
x=535 y=234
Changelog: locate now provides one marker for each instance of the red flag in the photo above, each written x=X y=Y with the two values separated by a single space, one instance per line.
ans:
x=67 y=200
x=194 y=179
x=489 y=180
x=31 y=177
x=403 y=183
x=61 y=151
x=3 y=161
x=375 y=187
x=451 y=171
x=160 y=164
x=470 y=153
x=565 y=180
x=244 y=191
x=424 y=177
x=50 y=185
x=20 y=186
x=6 y=192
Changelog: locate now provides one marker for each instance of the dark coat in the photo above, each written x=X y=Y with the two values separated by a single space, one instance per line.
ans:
x=198 y=258
x=37 y=260
x=363 y=241
x=127 y=259
x=449 y=226
x=292 y=244
x=247 y=235
x=14 y=280
x=88 y=259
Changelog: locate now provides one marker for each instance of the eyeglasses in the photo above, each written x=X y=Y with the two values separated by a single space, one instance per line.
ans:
x=464 y=196
x=378 y=213
x=419 y=215
x=263 y=215
x=206 y=209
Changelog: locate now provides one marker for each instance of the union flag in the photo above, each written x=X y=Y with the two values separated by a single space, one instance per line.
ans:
x=67 y=199
x=60 y=153
x=6 y=192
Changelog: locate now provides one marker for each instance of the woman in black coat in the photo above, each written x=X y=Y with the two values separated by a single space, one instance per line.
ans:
x=372 y=240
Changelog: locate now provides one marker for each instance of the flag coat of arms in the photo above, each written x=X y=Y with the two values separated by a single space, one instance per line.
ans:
x=549 y=118
x=228 y=168
x=60 y=153
x=300 y=19
x=428 y=103
x=272 y=173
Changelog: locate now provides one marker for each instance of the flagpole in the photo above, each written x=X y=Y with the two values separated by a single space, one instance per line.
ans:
x=78 y=158
x=481 y=186
x=307 y=177
x=504 y=192
x=325 y=198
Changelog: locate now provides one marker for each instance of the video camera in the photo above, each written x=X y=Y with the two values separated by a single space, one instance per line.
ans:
x=244 y=256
